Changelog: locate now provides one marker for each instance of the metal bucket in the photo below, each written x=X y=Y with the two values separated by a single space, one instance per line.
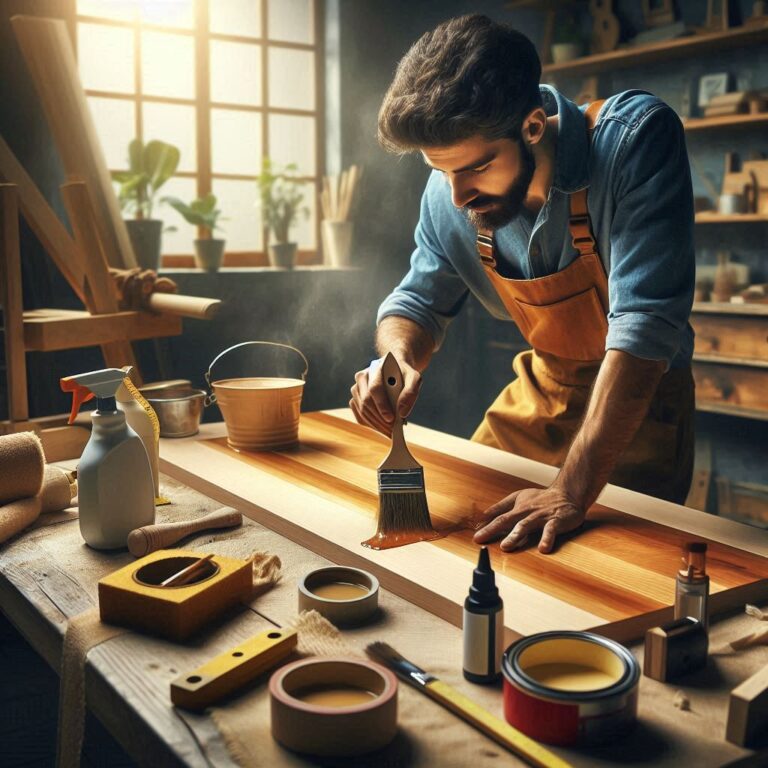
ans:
x=261 y=413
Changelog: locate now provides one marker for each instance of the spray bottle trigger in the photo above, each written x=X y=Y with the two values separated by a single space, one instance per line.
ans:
x=80 y=395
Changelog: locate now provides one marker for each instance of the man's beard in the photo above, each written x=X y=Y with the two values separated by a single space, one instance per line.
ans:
x=505 y=207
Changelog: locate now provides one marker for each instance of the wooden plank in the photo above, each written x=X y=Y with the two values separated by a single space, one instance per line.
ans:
x=748 y=710
x=616 y=576
x=725 y=121
x=729 y=308
x=744 y=338
x=47 y=50
x=100 y=296
x=46 y=330
x=11 y=298
x=51 y=233
x=733 y=385
x=635 y=56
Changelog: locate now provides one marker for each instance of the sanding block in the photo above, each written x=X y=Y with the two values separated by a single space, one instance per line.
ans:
x=230 y=671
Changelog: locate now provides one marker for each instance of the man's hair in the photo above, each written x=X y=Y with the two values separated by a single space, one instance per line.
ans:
x=469 y=76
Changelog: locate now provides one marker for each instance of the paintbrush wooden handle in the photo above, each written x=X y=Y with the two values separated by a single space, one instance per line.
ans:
x=501 y=732
x=150 y=538
x=399 y=456
x=188 y=574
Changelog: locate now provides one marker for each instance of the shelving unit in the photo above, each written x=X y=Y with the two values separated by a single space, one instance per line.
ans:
x=668 y=50
x=707 y=217
x=693 y=124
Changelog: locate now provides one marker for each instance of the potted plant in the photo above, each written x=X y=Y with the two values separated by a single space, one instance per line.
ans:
x=149 y=167
x=203 y=213
x=281 y=197
x=567 y=43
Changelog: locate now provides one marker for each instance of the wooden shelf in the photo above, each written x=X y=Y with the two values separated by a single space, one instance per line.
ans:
x=663 y=51
x=724 y=121
x=732 y=410
x=707 y=217
x=727 y=308
x=749 y=361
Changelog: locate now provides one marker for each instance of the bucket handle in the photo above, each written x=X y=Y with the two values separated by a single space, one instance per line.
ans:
x=210 y=397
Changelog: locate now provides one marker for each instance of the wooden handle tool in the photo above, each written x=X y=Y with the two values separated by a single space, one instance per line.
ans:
x=231 y=670
x=399 y=456
x=149 y=538
x=189 y=574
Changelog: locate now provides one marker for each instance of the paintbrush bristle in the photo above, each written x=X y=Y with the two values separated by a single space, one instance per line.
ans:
x=383 y=652
x=403 y=511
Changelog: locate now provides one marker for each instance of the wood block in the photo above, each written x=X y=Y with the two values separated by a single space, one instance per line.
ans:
x=617 y=576
x=748 y=710
x=131 y=598
x=233 y=669
x=738 y=385
x=46 y=330
x=729 y=336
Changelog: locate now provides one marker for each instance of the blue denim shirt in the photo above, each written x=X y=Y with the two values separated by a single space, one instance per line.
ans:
x=641 y=206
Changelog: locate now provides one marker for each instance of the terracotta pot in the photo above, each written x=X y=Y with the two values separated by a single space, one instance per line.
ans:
x=208 y=254
x=283 y=255
x=146 y=240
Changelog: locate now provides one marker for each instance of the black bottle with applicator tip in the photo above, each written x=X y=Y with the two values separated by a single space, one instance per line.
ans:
x=483 y=625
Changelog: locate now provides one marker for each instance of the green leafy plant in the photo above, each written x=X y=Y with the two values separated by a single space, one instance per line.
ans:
x=281 y=198
x=567 y=30
x=201 y=213
x=149 y=167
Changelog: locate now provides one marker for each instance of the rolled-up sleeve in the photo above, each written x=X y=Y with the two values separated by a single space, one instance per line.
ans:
x=431 y=293
x=652 y=264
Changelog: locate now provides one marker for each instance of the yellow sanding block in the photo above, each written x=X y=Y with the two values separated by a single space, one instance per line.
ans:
x=230 y=671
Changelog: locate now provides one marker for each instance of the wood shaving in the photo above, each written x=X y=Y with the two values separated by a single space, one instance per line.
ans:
x=682 y=702
x=754 y=638
x=754 y=611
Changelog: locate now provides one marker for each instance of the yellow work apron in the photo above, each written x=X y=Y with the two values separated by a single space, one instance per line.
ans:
x=563 y=317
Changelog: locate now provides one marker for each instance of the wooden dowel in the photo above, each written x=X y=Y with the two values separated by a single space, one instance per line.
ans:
x=187 y=574
x=184 y=306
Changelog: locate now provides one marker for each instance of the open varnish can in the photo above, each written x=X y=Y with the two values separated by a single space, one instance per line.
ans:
x=570 y=688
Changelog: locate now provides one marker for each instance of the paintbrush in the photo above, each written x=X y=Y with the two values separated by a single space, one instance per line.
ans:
x=501 y=732
x=403 y=510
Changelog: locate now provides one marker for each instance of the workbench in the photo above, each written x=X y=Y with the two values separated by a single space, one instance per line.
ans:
x=127 y=677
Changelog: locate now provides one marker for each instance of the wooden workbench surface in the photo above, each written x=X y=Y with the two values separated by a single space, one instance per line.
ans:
x=127 y=677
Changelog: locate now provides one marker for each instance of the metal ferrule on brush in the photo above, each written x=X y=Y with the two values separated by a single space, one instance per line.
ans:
x=402 y=480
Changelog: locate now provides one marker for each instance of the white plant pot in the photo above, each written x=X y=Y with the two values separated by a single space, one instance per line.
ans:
x=562 y=52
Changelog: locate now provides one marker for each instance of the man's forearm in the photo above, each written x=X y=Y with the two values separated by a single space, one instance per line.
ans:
x=617 y=406
x=406 y=340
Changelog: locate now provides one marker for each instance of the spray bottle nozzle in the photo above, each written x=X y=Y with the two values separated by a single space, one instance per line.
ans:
x=80 y=395
x=100 y=384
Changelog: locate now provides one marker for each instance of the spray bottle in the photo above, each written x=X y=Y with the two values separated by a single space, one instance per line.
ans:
x=483 y=626
x=115 y=487
x=142 y=419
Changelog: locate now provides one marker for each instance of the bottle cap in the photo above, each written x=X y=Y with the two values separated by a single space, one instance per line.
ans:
x=483 y=591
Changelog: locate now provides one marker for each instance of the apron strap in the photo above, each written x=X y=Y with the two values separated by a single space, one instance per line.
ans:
x=579 y=222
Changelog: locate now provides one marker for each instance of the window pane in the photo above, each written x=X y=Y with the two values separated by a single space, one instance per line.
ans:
x=176 y=125
x=291 y=20
x=105 y=57
x=115 y=121
x=179 y=242
x=291 y=78
x=169 y=13
x=236 y=73
x=236 y=17
x=292 y=140
x=108 y=9
x=236 y=143
x=237 y=201
x=167 y=65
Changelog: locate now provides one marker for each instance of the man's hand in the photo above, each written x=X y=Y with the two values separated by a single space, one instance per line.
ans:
x=522 y=513
x=369 y=400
